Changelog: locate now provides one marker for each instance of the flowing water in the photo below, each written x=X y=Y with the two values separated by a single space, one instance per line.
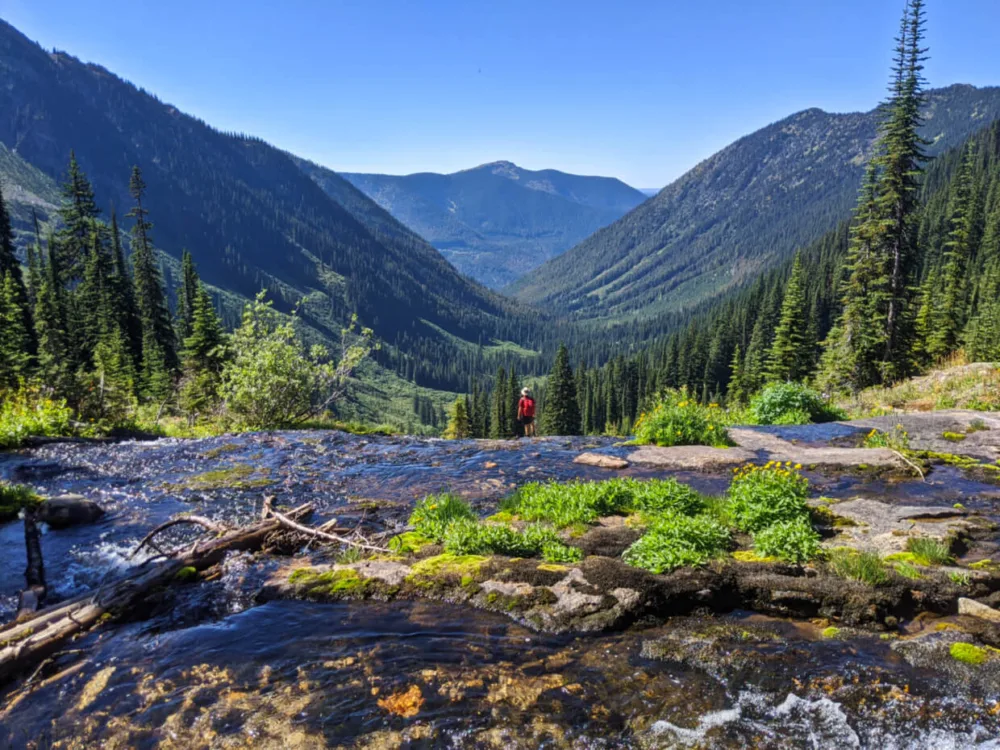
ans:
x=205 y=667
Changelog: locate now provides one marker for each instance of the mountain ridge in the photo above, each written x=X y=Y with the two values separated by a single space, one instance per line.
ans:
x=717 y=225
x=497 y=221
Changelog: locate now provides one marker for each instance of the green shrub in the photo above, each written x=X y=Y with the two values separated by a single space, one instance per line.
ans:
x=791 y=403
x=26 y=413
x=680 y=420
x=761 y=496
x=675 y=541
x=432 y=515
x=467 y=537
x=577 y=503
x=866 y=567
x=793 y=541
x=14 y=498
x=928 y=551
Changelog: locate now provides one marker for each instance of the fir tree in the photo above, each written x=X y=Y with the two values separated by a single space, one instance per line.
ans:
x=789 y=356
x=124 y=294
x=561 y=415
x=204 y=356
x=499 y=420
x=54 y=367
x=15 y=359
x=78 y=213
x=10 y=267
x=458 y=423
x=737 y=390
x=186 y=293
x=514 y=396
x=159 y=358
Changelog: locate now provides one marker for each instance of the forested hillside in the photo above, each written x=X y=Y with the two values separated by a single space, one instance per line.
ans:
x=249 y=216
x=497 y=221
x=732 y=347
x=737 y=214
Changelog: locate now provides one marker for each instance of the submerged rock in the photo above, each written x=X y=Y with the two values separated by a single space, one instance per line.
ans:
x=601 y=461
x=68 y=510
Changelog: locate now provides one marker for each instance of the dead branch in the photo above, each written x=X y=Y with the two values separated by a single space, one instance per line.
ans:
x=325 y=536
x=196 y=520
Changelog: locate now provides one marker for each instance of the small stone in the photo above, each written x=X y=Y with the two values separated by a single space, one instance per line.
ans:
x=490 y=465
x=601 y=461
x=973 y=608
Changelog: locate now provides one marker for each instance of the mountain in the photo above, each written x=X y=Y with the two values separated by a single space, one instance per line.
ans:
x=736 y=214
x=246 y=211
x=497 y=221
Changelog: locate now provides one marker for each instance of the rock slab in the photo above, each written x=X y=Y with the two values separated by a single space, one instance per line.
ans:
x=601 y=461
x=974 y=609
x=68 y=510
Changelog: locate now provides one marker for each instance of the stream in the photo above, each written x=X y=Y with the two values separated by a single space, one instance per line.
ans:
x=207 y=667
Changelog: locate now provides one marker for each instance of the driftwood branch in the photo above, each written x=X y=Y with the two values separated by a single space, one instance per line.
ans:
x=26 y=643
x=912 y=465
x=360 y=543
x=195 y=520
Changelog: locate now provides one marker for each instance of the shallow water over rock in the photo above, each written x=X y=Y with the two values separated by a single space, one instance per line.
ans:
x=205 y=668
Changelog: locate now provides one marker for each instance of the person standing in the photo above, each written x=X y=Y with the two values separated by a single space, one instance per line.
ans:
x=526 y=412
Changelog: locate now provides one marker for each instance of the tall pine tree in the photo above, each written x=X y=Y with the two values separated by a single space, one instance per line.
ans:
x=561 y=415
x=790 y=356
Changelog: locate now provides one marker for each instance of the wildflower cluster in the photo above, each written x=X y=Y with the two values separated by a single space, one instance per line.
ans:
x=769 y=502
x=896 y=439
x=677 y=419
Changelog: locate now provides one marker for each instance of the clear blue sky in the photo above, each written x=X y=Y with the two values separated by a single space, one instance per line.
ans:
x=637 y=90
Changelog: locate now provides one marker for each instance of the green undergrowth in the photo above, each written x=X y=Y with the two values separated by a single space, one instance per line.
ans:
x=27 y=412
x=791 y=404
x=865 y=567
x=14 y=498
x=928 y=551
x=674 y=540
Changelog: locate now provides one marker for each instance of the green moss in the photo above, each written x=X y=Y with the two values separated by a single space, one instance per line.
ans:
x=953 y=437
x=504 y=516
x=235 y=477
x=448 y=564
x=751 y=556
x=904 y=557
x=329 y=583
x=553 y=568
x=220 y=450
x=187 y=574
x=831 y=632
x=968 y=653
x=409 y=543
x=983 y=565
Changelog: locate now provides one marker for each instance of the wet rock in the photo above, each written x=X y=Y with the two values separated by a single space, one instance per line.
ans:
x=975 y=609
x=601 y=461
x=691 y=457
x=926 y=431
x=885 y=527
x=68 y=510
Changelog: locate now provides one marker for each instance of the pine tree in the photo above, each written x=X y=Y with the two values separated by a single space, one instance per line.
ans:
x=737 y=390
x=561 y=415
x=950 y=311
x=54 y=367
x=498 y=411
x=514 y=396
x=15 y=357
x=159 y=357
x=458 y=423
x=789 y=357
x=124 y=294
x=94 y=300
x=10 y=267
x=78 y=213
x=204 y=356
x=186 y=294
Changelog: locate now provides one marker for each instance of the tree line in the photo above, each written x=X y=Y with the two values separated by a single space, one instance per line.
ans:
x=92 y=326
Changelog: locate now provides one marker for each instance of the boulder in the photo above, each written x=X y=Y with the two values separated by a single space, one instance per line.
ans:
x=601 y=461
x=974 y=609
x=68 y=510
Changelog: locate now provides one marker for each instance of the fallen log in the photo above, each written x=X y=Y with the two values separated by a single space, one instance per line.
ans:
x=193 y=520
x=360 y=543
x=35 y=590
x=31 y=640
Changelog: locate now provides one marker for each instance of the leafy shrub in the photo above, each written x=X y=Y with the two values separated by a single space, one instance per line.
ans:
x=928 y=551
x=866 y=567
x=435 y=513
x=14 y=498
x=679 y=420
x=675 y=541
x=792 y=541
x=27 y=412
x=761 y=496
x=791 y=403
x=467 y=537
x=575 y=503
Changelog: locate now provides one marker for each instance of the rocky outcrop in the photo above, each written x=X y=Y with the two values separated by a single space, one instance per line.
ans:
x=68 y=510
x=601 y=461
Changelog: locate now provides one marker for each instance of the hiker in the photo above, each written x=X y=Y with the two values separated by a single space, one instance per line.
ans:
x=526 y=412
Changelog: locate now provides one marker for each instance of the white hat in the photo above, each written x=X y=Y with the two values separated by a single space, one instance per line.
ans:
x=525 y=391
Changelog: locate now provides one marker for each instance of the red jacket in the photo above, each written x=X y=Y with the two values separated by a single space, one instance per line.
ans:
x=526 y=407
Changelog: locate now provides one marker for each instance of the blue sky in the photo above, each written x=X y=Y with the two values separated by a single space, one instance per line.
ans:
x=636 y=90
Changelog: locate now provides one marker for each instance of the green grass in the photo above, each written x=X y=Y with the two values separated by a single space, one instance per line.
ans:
x=467 y=537
x=866 y=567
x=27 y=412
x=14 y=498
x=927 y=551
